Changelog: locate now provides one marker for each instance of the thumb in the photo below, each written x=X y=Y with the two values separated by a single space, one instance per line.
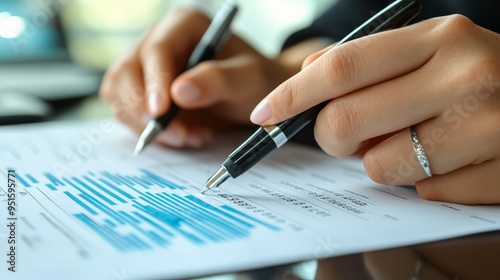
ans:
x=236 y=80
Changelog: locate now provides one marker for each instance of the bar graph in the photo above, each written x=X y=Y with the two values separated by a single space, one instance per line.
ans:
x=145 y=211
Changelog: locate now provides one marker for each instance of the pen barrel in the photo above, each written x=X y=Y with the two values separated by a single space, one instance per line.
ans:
x=291 y=126
x=254 y=149
x=264 y=141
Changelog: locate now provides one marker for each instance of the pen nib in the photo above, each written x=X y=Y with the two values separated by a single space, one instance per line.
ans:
x=138 y=148
x=216 y=180
x=147 y=136
x=206 y=189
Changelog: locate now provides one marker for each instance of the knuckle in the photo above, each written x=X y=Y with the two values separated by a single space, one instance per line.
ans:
x=495 y=124
x=488 y=68
x=342 y=121
x=135 y=99
x=490 y=129
x=324 y=141
x=261 y=72
x=490 y=118
x=482 y=68
x=454 y=27
x=342 y=65
x=121 y=117
x=375 y=169
x=287 y=98
x=119 y=76
x=459 y=23
x=151 y=48
x=119 y=111
x=112 y=77
x=106 y=93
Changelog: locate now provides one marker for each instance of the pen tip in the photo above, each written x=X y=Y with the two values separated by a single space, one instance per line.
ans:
x=138 y=148
x=216 y=180
x=147 y=136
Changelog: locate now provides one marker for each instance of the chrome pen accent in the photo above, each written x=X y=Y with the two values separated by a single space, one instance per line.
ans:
x=276 y=134
x=217 y=179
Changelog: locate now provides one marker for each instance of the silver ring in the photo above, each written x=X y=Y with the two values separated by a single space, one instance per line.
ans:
x=419 y=151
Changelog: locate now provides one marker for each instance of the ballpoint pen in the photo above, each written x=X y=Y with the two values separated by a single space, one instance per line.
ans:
x=269 y=138
x=206 y=49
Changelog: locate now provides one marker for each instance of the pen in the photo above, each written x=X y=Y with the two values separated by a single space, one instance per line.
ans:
x=206 y=49
x=269 y=138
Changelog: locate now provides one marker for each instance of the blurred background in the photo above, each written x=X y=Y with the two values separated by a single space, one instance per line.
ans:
x=53 y=52
x=111 y=26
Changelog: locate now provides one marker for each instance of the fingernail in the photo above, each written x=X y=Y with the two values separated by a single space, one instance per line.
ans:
x=172 y=136
x=186 y=91
x=262 y=112
x=155 y=102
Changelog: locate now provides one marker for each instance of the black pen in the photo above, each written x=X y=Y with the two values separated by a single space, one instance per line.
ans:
x=269 y=138
x=206 y=49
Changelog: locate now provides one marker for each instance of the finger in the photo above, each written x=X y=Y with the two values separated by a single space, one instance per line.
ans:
x=348 y=121
x=345 y=68
x=472 y=184
x=165 y=54
x=218 y=81
x=447 y=148
x=123 y=89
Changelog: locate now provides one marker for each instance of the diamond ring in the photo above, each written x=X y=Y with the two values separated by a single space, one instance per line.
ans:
x=419 y=151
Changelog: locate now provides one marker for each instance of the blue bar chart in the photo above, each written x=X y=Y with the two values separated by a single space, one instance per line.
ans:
x=145 y=211
x=81 y=206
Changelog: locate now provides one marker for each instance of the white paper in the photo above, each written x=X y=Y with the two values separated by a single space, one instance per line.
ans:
x=86 y=209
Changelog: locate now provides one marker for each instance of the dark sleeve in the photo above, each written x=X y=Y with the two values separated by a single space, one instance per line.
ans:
x=338 y=20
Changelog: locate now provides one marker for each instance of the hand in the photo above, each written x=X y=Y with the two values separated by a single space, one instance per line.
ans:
x=442 y=75
x=217 y=94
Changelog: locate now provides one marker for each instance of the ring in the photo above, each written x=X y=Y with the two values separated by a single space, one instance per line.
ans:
x=419 y=151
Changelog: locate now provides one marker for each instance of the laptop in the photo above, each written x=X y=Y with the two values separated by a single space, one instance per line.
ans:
x=37 y=75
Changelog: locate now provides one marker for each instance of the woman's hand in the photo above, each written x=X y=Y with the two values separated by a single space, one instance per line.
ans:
x=214 y=95
x=442 y=75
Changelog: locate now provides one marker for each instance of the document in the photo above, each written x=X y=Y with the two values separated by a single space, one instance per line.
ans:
x=75 y=204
